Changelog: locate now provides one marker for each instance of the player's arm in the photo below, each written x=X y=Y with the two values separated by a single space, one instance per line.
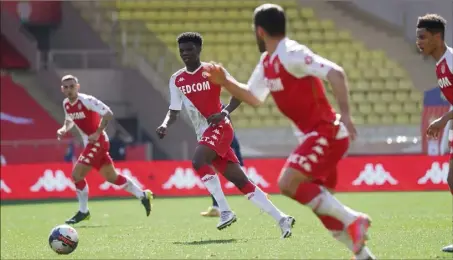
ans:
x=232 y=105
x=68 y=124
x=170 y=117
x=103 y=110
x=253 y=93
x=234 y=102
x=301 y=61
x=448 y=116
x=174 y=109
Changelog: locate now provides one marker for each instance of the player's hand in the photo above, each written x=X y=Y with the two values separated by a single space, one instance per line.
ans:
x=161 y=131
x=60 y=133
x=436 y=127
x=216 y=118
x=347 y=121
x=94 y=137
x=216 y=73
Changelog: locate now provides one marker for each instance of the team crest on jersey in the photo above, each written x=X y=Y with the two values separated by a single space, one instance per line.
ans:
x=204 y=74
x=67 y=107
x=79 y=106
x=442 y=68
x=266 y=64
x=308 y=60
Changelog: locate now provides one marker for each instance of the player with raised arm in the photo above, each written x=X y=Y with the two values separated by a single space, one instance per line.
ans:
x=293 y=75
x=91 y=116
x=431 y=42
x=201 y=98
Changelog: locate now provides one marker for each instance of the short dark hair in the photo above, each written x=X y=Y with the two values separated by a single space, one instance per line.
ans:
x=271 y=18
x=433 y=23
x=190 y=37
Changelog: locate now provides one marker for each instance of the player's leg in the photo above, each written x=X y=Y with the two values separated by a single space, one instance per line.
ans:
x=109 y=172
x=450 y=174
x=213 y=211
x=302 y=178
x=79 y=173
x=449 y=248
x=234 y=173
x=201 y=162
x=333 y=225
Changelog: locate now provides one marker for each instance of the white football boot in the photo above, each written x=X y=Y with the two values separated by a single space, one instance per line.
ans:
x=286 y=224
x=226 y=219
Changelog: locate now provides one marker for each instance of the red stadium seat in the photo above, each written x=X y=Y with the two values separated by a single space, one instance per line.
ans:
x=22 y=117
x=11 y=58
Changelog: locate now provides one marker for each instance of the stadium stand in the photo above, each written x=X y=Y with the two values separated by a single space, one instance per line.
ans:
x=22 y=117
x=10 y=58
x=377 y=81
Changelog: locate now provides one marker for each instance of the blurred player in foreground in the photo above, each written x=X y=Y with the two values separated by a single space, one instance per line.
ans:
x=293 y=75
x=431 y=42
x=91 y=117
x=213 y=211
x=201 y=98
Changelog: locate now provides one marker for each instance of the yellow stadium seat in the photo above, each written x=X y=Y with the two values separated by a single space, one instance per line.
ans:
x=380 y=108
x=387 y=119
x=373 y=119
x=307 y=13
x=395 y=108
x=381 y=92
x=415 y=119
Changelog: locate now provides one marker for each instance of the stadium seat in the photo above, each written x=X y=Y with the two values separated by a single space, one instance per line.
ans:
x=378 y=84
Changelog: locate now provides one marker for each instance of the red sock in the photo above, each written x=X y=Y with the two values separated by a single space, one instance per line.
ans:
x=306 y=192
x=120 y=180
x=331 y=223
x=204 y=170
x=249 y=187
x=80 y=185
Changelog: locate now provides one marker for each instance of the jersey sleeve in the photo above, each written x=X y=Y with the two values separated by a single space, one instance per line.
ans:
x=96 y=105
x=301 y=61
x=257 y=82
x=175 y=95
x=450 y=59
x=66 y=116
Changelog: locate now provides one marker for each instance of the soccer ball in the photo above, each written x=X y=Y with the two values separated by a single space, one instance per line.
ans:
x=63 y=239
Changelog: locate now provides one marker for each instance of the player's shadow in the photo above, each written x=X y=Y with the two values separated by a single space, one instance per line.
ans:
x=207 y=242
x=92 y=226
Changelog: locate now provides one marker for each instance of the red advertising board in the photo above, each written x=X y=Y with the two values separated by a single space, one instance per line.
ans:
x=174 y=178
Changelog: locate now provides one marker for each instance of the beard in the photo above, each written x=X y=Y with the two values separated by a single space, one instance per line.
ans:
x=260 y=44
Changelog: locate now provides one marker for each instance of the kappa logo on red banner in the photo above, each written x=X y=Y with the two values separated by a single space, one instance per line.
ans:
x=435 y=174
x=53 y=181
x=254 y=176
x=170 y=178
x=183 y=178
x=4 y=187
x=374 y=175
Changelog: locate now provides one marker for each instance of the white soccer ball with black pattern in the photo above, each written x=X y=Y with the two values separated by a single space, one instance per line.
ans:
x=63 y=239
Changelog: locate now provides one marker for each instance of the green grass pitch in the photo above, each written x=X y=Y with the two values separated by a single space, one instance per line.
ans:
x=405 y=226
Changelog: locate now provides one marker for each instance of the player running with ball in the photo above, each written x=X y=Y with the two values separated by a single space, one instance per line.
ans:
x=431 y=41
x=91 y=117
x=293 y=75
x=201 y=98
